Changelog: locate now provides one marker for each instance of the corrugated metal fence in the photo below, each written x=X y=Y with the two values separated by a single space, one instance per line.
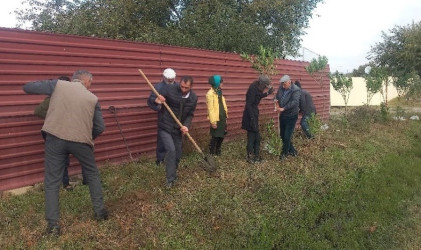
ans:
x=26 y=56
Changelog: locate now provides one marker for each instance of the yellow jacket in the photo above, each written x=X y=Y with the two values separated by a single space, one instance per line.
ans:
x=213 y=106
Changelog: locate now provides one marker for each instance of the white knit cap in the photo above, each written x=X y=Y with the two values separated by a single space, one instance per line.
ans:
x=169 y=73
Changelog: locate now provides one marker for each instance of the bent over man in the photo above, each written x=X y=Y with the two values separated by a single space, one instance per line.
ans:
x=73 y=121
x=307 y=109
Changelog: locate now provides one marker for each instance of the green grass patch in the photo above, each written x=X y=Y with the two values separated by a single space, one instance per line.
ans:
x=348 y=189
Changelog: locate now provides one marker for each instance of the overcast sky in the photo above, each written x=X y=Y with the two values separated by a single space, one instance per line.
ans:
x=345 y=30
x=342 y=30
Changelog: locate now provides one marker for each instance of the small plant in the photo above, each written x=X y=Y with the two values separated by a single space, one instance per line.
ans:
x=317 y=70
x=343 y=85
x=273 y=141
x=314 y=123
x=384 y=111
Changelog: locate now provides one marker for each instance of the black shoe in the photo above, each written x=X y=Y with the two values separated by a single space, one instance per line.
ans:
x=68 y=187
x=170 y=184
x=257 y=159
x=103 y=215
x=158 y=163
x=53 y=230
x=282 y=157
x=250 y=158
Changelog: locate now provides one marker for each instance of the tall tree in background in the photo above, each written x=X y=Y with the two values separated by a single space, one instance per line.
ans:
x=224 y=25
x=400 y=54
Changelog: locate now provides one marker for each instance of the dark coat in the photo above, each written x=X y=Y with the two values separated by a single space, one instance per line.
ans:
x=151 y=100
x=183 y=108
x=306 y=103
x=250 y=120
x=290 y=101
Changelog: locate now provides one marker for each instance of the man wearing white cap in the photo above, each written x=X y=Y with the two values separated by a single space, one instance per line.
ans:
x=288 y=100
x=168 y=78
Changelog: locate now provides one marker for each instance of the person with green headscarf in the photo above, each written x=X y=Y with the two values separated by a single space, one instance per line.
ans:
x=217 y=114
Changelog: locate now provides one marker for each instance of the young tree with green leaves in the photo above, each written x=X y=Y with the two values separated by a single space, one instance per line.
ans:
x=375 y=79
x=343 y=85
x=264 y=62
x=317 y=69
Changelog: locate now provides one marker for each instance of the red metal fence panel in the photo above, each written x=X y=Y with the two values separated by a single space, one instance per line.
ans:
x=27 y=56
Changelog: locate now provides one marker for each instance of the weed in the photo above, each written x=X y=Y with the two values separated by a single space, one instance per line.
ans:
x=315 y=124
x=399 y=112
x=384 y=112
x=273 y=142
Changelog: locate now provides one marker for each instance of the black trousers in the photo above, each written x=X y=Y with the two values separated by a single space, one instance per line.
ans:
x=287 y=129
x=253 y=142
x=215 y=145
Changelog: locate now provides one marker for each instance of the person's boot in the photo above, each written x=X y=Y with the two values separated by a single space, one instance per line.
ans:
x=102 y=215
x=250 y=158
x=52 y=230
x=257 y=159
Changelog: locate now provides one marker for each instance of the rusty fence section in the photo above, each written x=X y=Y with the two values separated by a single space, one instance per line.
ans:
x=27 y=56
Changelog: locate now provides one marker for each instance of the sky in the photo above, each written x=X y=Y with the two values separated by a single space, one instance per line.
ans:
x=341 y=30
x=345 y=30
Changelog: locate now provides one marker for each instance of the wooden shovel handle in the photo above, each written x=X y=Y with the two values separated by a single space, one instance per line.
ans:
x=170 y=111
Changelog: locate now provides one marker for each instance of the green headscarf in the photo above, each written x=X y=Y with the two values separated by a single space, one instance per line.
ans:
x=215 y=81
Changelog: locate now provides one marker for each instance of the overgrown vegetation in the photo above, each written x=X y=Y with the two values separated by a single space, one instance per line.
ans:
x=355 y=188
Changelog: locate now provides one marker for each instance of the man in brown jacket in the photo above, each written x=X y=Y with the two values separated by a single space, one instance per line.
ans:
x=73 y=121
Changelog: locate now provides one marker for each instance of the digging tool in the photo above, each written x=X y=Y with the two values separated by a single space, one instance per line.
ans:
x=208 y=162
x=113 y=110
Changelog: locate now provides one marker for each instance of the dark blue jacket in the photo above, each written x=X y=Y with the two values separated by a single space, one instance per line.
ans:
x=290 y=101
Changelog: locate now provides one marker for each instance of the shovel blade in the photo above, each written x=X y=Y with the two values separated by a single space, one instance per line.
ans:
x=209 y=164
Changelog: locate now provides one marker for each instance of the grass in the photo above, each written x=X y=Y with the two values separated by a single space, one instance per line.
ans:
x=355 y=186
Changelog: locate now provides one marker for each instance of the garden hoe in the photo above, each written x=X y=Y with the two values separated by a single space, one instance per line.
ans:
x=209 y=163
x=113 y=110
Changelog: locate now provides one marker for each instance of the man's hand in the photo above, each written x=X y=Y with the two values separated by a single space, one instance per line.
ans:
x=214 y=126
x=160 y=99
x=184 y=130
x=280 y=110
x=270 y=91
